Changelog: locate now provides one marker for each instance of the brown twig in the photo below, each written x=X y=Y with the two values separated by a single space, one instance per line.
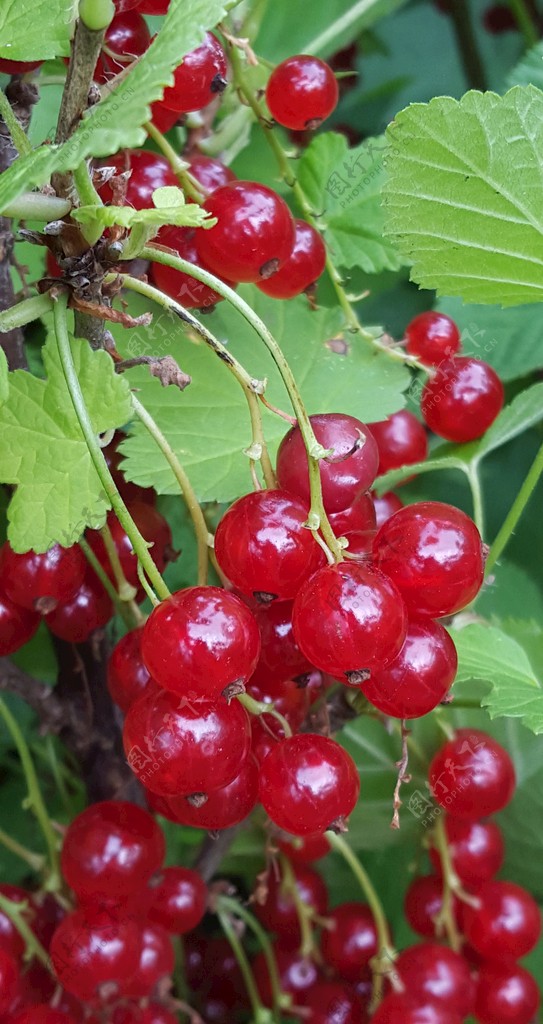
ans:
x=403 y=776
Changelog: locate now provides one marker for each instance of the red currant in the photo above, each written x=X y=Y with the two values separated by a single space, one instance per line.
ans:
x=186 y=290
x=9 y=981
x=163 y=118
x=127 y=676
x=403 y=1009
x=305 y=851
x=476 y=849
x=351 y=468
x=506 y=994
x=156 y=961
x=152 y=526
x=433 y=553
x=332 y=1002
x=179 y=900
x=349 y=940
x=308 y=783
x=200 y=77
x=17 y=625
x=254 y=233
x=302 y=92
x=129 y=492
x=401 y=440
x=349 y=618
x=263 y=547
x=18 y=67
x=224 y=807
x=385 y=506
x=40 y=582
x=471 y=775
x=499 y=18
x=419 y=677
x=356 y=518
x=153 y=1013
x=297 y=974
x=280 y=657
x=505 y=925
x=176 y=748
x=126 y=38
x=434 y=973
x=93 y=955
x=42 y=1014
x=278 y=911
x=432 y=337
x=149 y=171
x=11 y=940
x=423 y=904
x=462 y=399
x=154 y=6
x=90 y=609
x=210 y=173
x=302 y=268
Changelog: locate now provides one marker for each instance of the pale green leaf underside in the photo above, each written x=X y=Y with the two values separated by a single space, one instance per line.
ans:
x=189 y=215
x=36 y=29
x=464 y=196
x=529 y=71
x=45 y=454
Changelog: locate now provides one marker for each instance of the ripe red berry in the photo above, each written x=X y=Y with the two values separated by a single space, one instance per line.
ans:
x=223 y=807
x=399 y=1008
x=153 y=6
x=462 y=399
x=419 y=677
x=506 y=994
x=126 y=38
x=301 y=92
x=40 y=582
x=280 y=657
x=186 y=290
x=156 y=961
x=401 y=440
x=505 y=925
x=179 y=900
x=134 y=1013
x=90 y=609
x=349 y=940
x=434 y=973
x=305 y=851
x=476 y=849
x=93 y=955
x=9 y=981
x=11 y=941
x=350 y=469
x=307 y=783
x=200 y=77
x=297 y=974
x=278 y=911
x=432 y=337
x=176 y=748
x=111 y=850
x=385 y=506
x=357 y=518
x=149 y=172
x=210 y=173
x=42 y=1014
x=18 y=67
x=263 y=547
x=349 y=618
x=17 y=625
x=333 y=1002
x=127 y=676
x=129 y=491
x=302 y=268
x=433 y=553
x=153 y=528
x=423 y=903
x=471 y=775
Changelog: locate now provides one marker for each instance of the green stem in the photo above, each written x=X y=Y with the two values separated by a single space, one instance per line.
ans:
x=203 y=536
x=477 y=498
x=451 y=884
x=15 y=912
x=25 y=312
x=127 y=609
x=88 y=196
x=525 y=21
x=259 y=707
x=280 y=999
x=139 y=544
x=261 y=1015
x=19 y=137
x=125 y=589
x=35 y=861
x=35 y=798
x=178 y=165
x=303 y=910
x=515 y=512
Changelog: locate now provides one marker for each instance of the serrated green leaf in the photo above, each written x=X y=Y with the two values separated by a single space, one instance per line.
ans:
x=344 y=187
x=529 y=71
x=4 y=377
x=44 y=452
x=182 y=215
x=36 y=29
x=116 y=121
x=208 y=424
x=508 y=339
x=466 y=223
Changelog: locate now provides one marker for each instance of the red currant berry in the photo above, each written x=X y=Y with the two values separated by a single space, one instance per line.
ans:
x=179 y=900
x=154 y=6
x=331 y=1002
x=254 y=234
x=297 y=974
x=423 y=904
x=176 y=748
x=419 y=677
x=17 y=625
x=471 y=775
x=307 y=783
x=126 y=38
x=278 y=911
x=42 y=1014
x=356 y=518
x=209 y=173
x=302 y=268
x=350 y=469
x=348 y=619
x=152 y=526
x=111 y=849
x=462 y=399
x=499 y=18
x=403 y=1009
x=476 y=849
x=264 y=548
x=149 y=172
x=163 y=118
x=153 y=1013
x=93 y=955
x=302 y=92
x=18 y=67
x=186 y=290
x=434 y=554
x=507 y=994
x=40 y=582
x=280 y=657
x=434 y=973
x=224 y=807
x=156 y=961
x=11 y=941
x=349 y=940
x=305 y=851
x=385 y=506
x=200 y=77
x=506 y=924
x=90 y=609
x=129 y=492
x=127 y=676
x=432 y=337
x=401 y=440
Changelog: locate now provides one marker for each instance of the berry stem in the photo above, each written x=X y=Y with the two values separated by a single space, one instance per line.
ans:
x=260 y=1014
x=178 y=166
x=88 y=196
x=35 y=861
x=477 y=497
x=18 y=136
x=451 y=885
x=232 y=906
x=125 y=590
x=16 y=911
x=259 y=707
x=24 y=312
x=123 y=515
x=203 y=536
x=525 y=21
x=126 y=608
x=304 y=912
x=35 y=798
x=515 y=512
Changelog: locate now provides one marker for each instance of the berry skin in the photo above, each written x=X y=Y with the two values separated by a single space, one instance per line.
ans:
x=401 y=440
x=210 y=173
x=462 y=399
x=42 y=1014
x=432 y=337
x=40 y=582
x=506 y=994
x=17 y=625
x=154 y=6
x=431 y=972
x=349 y=940
x=149 y=171
x=254 y=235
x=152 y=526
x=472 y=776
x=385 y=506
x=280 y=657
x=297 y=974
x=90 y=954
x=223 y=807
x=356 y=518
x=302 y=268
x=308 y=783
x=9 y=981
x=199 y=78
x=153 y=1013
x=11 y=941
x=301 y=92
x=278 y=911
x=127 y=676
x=305 y=851
x=331 y=1002
x=350 y=469
x=179 y=900
x=423 y=903
x=403 y=1009
x=262 y=546
x=433 y=553
x=126 y=38
x=349 y=618
x=506 y=925
x=200 y=641
x=419 y=677
x=110 y=850
x=90 y=609
x=476 y=849
x=18 y=67
x=176 y=748
x=129 y=492
x=156 y=961
x=186 y=290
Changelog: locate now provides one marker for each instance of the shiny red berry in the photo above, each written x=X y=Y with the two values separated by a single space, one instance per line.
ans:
x=40 y=582
x=280 y=657
x=434 y=973
x=89 y=610
x=11 y=941
x=307 y=783
x=18 y=67
x=423 y=903
x=9 y=981
x=149 y=171
x=156 y=961
x=135 y=1013
x=305 y=851
x=505 y=925
x=179 y=900
x=432 y=337
x=433 y=553
x=302 y=92
x=42 y=1014
x=200 y=77
x=349 y=940
x=153 y=6
x=462 y=399
x=385 y=506
x=472 y=776
x=93 y=955
x=223 y=807
x=153 y=528
x=126 y=38
x=297 y=974
x=404 y=1009
x=129 y=491
x=278 y=911
x=302 y=268
x=127 y=676
x=476 y=849
x=210 y=173
x=506 y=994
x=186 y=290
x=401 y=440
x=358 y=518
x=17 y=625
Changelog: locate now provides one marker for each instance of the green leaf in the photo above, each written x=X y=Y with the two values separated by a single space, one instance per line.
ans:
x=4 y=377
x=344 y=186
x=116 y=121
x=36 y=29
x=332 y=25
x=180 y=214
x=44 y=452
x=529 y=71
x=208 y=424
x=468 y=226
x=508 y=339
